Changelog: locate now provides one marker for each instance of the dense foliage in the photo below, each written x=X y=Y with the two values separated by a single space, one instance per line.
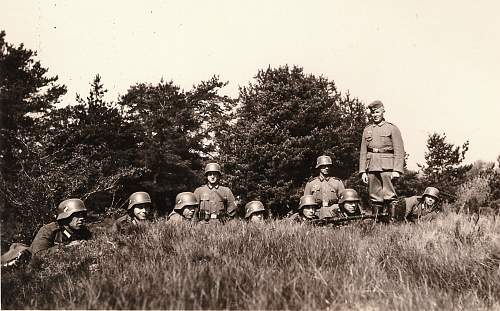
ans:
x=158 y=137
x=284 y=121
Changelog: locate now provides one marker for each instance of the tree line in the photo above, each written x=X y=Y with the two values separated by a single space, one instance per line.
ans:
x=157 y=137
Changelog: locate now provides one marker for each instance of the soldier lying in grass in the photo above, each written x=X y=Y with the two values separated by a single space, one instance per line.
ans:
x=185 y=206
x=308 y=208
x=255 y=212
x=68 y=230
x=139 y=207
x=349 y=211
x=417 y=208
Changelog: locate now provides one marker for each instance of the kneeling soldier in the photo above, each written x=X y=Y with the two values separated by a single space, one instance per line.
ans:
x=139 y=206
x=255 y=211
x=185 y=206
x=307 y=209
x=423 y=207
x=215 y=201
x=324 y=188
x=69 y=229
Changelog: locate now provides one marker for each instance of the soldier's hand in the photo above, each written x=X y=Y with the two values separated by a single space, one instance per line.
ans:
x=364 y=178
x=395 y=175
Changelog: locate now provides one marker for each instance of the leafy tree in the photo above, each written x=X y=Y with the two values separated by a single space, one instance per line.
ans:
x=27 y=94
x=443 y=168
x=173 y=129
x=285 y=120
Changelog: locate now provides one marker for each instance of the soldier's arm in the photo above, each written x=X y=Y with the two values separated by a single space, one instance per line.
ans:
x=362 y=154
x=307 y=189
x=43 y=241
x=410 y=204
x=231 y=203
x=340 y=188
x=399 y=150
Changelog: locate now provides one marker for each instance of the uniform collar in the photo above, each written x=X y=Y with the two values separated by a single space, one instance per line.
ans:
x=212 y=187
x=322 y=178
x=380 y=124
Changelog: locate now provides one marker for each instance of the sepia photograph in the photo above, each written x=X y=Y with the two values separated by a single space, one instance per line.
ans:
x=250 y=155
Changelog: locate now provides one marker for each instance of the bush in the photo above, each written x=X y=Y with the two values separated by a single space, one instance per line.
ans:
x=473 y=194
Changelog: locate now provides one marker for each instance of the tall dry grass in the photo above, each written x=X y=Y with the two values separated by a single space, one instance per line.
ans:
x=449 y=263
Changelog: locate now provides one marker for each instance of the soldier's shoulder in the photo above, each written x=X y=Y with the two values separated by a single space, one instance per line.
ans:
x=368 y=127
x=53 y=226
x=225 y=189
x=312 y=179
x=122 y=219
x=391 y=124
x=174 y=217
x=201 y=189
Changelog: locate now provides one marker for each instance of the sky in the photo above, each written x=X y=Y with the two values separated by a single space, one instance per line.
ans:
x=434 y=64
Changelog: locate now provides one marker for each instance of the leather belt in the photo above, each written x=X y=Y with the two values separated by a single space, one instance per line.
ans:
x=376 y=150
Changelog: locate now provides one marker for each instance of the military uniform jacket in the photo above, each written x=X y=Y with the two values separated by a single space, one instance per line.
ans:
x=123 y=222
x=53 y=234
x=216 y=200
x=326 y=190
x=382 y=149
x=298 y=218
x=417 y=210
x=175 y=217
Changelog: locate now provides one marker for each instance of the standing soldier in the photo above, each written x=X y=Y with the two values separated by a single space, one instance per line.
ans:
x=139 y=206
x=324 y=188
x=307 y=209
x=381 y=159
x=423 y=207
x=215 y=201
x=255 y=211
x=184 y=209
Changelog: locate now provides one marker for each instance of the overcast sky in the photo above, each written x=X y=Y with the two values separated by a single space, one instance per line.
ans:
x=434 y=64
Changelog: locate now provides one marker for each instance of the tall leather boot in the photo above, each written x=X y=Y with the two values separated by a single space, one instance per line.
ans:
x=379 y=211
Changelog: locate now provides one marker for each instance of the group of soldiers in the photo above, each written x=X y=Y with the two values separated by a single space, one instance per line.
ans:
x=325 y=198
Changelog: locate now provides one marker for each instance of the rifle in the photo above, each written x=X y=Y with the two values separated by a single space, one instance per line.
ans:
x=335 y=221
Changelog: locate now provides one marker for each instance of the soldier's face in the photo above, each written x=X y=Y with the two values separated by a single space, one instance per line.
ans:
x=309 y=212
x=188 y=211
x=77 y=221
x=350 y=206
x=324 y=169
x=213 y=177
x=377 y=114
x=429 y=201
x=140 y=211
x=257 y=217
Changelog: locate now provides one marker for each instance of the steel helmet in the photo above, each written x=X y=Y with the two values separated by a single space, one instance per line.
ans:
x=432 y=192
x=68 y=207
x=323 y=160
x=185 y=199
x=307 y=200
x=348 y=195
x=138 y=198
x=212 y=167
x=253 y=207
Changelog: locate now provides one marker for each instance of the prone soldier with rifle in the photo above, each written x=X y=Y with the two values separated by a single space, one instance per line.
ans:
x=349 y=211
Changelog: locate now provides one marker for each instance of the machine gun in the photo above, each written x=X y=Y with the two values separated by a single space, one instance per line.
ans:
x=337 y=221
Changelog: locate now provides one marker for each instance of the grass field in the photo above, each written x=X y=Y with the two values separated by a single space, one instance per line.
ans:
x=450 y=263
